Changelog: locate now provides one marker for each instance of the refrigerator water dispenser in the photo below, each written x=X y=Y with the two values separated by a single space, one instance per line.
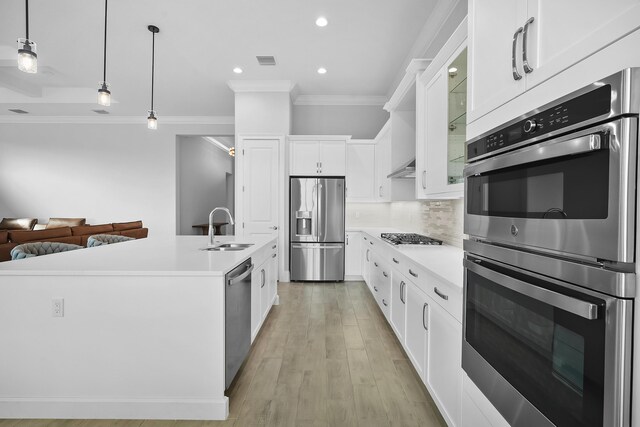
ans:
x=303 y=223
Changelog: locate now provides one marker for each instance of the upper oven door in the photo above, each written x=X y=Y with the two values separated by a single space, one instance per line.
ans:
x=573 y=195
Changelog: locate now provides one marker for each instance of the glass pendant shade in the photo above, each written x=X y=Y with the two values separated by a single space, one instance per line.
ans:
x=27 y=56
x=152 y=120
x=104 y=95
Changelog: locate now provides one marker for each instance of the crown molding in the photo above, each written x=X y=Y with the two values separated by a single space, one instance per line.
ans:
x=118 y=120
x=373 y=100
x=261 y=85
x=428 y=35
x=415 y=67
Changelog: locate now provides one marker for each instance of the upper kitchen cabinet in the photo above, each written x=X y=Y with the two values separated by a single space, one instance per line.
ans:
x=318 y=155
x=441 y=97
x=361 y=171
x=515 y=45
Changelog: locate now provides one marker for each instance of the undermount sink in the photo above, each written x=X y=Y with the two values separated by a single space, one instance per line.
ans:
x=228 y=247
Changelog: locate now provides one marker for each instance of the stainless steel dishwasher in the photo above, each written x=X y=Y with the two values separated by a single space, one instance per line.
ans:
x=237 y=308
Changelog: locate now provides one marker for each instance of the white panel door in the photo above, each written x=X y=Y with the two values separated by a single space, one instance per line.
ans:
x=418 y=306
x=492 y=24
x=353 y=254
x=565 y=32
x=444 y=372
x=361 y=172
x=260 y=181
x=304 y=158
x=256 y=313
x=333 y=158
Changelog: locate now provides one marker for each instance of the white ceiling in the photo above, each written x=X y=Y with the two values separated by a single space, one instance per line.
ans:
x=200 y=41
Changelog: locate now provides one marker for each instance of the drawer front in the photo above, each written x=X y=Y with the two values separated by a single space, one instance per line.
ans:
x=444 y=294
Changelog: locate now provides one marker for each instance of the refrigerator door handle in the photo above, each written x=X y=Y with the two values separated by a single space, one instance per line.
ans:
x=322 y=216
x=314 y=212
x=316 y=245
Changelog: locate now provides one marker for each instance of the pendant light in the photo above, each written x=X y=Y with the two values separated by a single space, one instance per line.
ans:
x=152 y=120
x=104 y=94
x=27 y=57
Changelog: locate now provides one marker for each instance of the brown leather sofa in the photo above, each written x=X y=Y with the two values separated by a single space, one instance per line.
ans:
x=75 y=235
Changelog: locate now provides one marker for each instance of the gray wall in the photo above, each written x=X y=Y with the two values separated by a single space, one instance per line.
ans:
x=203 y=172
x=360 y=121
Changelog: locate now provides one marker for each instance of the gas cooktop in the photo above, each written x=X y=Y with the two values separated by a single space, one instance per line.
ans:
x=409 y=239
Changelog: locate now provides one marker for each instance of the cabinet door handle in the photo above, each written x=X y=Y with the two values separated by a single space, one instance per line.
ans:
x=424 y=312
x=375 y=289
x=412 y=273
x=275 y=227
x=367 y=254
x=525 y=61
x=380 y=191
x=402 y=285
x=347 y=239
x=262 y=277
x=424 y=180
x=514 y=68
x=440 y=294
x=385 y=274
x=274 y=246
x=395 y=260
x=384 y=302
x=370 y=242
x=274 y=255
x=375 y=263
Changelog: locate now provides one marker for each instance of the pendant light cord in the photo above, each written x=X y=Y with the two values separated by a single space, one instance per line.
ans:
x=26 y=2
x=153 y=64
x=104 y=70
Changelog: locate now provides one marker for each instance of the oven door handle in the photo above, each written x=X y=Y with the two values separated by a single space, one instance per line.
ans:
x=563 y=302
x=543 y=151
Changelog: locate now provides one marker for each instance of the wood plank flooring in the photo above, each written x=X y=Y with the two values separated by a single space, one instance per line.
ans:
x=325 y=356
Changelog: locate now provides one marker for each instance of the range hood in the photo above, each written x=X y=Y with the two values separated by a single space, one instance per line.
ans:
x=406 y=170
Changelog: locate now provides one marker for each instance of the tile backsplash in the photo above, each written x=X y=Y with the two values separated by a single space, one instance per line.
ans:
x=441 y=219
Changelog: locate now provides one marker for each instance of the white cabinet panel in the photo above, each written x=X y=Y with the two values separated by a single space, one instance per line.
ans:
x=353 y=254
x=265 y=304
x=444 y=374
x=361 y=172
x=383 y=167
x=471 y=415
x=435 y=173
x=304 y=158
x=398 y=303
x=418 y=306
x=332 y=158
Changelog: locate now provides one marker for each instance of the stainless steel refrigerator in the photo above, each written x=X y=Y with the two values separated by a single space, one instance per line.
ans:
x=316 y=212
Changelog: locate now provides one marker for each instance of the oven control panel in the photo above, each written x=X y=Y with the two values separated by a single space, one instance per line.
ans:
x=584 y=107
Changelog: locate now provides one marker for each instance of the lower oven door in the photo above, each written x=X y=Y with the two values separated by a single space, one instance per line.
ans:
x=544 y=352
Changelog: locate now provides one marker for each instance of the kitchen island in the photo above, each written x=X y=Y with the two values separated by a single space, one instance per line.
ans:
x=139 y=335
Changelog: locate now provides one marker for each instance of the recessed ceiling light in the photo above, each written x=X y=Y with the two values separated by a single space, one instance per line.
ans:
x=322 y=21
x=237 y=70
x=322 y=70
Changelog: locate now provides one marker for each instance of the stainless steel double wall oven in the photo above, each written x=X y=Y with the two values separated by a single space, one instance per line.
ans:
x=550 y=210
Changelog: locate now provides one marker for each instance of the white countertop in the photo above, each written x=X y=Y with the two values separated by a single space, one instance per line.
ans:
x=153 y=256
x=444 y=261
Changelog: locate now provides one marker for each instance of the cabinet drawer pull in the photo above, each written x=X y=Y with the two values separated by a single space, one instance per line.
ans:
x=514 y=68
x=402 y=286
x=274 y=246
x=262 y=277
x=364 y=238
x=424 y=180
x=370 y=242
x=367 y=255
x=375 y=289
x=412 y=273
x=525 y=60
x=440 y=294
x=375 y=263
x=395 y=260
x=384 y=302
x=385 y=274
x=424 y=311
x=274 y=255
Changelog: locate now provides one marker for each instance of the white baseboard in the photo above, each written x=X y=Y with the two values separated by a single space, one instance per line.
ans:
x=151 y=409
x=353 y=278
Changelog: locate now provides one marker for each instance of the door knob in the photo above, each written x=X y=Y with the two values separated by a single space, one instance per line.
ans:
x=275 y=227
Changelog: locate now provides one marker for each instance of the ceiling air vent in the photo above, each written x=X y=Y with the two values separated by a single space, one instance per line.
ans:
x=266 y=60
x=100 y=111
x=18 y=111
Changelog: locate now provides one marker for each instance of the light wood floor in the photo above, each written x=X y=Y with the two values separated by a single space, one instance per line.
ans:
x=324 y=357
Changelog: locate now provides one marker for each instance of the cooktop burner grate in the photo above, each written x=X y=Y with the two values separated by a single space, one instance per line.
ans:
x=409 y=239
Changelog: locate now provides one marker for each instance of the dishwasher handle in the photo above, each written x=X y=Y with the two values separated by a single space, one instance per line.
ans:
x=235 y=279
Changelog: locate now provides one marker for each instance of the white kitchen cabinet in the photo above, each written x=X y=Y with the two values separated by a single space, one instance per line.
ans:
x=398 y=303
x=383 y=165
x=444 y=367
x=353 y=255
x=441 y=131
x=265 y=273
x=366 y=260
x=558 y=35
x=318 y=155
x=361 y=171
x=272 y=278
x=259 y=281
x=417 y=328
x=381 y=279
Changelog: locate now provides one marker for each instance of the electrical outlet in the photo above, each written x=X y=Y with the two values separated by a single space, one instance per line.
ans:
x=57 y=307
